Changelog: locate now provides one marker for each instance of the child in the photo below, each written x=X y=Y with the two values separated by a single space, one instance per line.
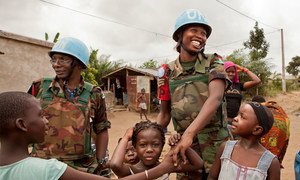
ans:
x=22 y=123
x=142 y=103
x=148 y=139
x=247 y=158
x=277 y=139
x=130 y=154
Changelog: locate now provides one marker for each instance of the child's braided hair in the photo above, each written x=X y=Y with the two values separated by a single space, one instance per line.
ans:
x=146 y=125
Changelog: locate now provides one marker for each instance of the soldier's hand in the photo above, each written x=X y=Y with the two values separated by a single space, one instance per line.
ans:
x=103 y=170
x=184 y=143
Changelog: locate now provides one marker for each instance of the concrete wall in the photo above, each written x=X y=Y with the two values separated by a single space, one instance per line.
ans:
x=22 y=60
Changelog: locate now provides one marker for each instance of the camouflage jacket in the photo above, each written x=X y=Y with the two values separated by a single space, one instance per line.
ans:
x=70 y=120
x=189 y=91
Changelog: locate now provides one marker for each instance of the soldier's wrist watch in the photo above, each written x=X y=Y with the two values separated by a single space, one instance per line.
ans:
x=102 y=161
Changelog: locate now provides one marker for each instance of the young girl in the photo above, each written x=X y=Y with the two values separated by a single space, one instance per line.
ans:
x=142 y=103
x=233 y=94
x=148 y=139
x=247 y=158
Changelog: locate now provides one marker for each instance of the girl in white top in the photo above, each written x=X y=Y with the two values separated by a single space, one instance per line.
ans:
x=246 y=158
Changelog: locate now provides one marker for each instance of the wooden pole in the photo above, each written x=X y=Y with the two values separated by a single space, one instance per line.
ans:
x=283 y=64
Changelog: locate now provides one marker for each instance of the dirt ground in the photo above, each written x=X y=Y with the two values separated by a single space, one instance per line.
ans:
x=290 y=103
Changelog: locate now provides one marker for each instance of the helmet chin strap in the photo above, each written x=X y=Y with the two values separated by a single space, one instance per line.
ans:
x=192 y=53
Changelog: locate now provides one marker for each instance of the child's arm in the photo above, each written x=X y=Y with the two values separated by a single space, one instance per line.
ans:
x=117 y=160
x=274 y=170
x=195 y=161
x=138 y=98
x=166 y=166
x=216 y=167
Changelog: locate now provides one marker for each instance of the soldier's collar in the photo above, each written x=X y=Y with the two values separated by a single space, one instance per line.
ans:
x=57 y=85
x=178 y=69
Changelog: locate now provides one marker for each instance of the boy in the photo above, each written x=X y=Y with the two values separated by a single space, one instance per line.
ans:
x=142 y=103
x=22 y=123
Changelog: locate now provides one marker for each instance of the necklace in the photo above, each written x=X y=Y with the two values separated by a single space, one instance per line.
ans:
x=71 y=92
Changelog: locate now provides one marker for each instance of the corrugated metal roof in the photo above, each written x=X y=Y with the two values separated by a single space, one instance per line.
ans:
x=148 y=72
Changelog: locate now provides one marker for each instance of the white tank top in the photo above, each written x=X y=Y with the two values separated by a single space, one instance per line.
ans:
x=233 y=170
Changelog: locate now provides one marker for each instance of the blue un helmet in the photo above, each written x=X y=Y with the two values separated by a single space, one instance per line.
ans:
x=191 y=16
x=73 y=47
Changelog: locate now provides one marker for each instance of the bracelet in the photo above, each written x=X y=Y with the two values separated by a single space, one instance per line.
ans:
x=146 y=172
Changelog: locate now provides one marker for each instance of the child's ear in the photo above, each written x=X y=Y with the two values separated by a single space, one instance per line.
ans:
x=20 y=123
x=257 y=130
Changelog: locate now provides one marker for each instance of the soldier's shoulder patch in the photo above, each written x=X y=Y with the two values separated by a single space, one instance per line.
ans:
x=217 y=59
x=98 y=90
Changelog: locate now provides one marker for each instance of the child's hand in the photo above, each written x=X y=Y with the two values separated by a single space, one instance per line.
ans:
x=168 y=162
x=174 y=139
x=129 y=133
x=240 y=68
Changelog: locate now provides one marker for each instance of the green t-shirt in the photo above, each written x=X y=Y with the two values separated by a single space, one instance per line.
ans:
x=33 y=168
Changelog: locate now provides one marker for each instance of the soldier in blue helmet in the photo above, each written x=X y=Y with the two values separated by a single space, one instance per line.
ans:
x=75 y=110
x=197 y=82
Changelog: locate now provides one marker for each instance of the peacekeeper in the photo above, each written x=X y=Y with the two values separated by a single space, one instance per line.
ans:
x=197 y=82
x=75 y=109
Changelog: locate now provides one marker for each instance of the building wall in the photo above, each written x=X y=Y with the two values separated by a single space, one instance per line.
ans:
x=22 y=60
x=134 y=86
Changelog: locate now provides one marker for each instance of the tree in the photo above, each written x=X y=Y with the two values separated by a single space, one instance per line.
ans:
x=55 y=38
x=259 y=48
x=151 y=64
x=238 y=57
x=294 y=67
x=98 y=68
x=257 y=44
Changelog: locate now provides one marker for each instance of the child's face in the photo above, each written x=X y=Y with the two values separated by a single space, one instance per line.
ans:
x=230 y=72
x=245 y=122
x=130 y=155
x=36 y=123
x=149 y=146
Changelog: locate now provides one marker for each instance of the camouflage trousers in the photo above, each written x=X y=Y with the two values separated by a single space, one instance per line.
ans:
x=206 y=144
x=89 y=165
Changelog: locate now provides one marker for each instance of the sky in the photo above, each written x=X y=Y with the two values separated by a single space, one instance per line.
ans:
x=139 y=30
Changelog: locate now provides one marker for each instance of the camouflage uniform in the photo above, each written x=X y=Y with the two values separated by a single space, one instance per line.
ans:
x=189 y=91
x=70 y=122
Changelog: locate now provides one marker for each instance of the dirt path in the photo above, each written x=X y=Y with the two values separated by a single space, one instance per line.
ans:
x=290 y=102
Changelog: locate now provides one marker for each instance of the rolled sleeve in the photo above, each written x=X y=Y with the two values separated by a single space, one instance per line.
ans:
x=217 y=71
x=100 y=121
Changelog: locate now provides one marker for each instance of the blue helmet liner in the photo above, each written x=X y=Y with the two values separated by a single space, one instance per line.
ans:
x=191 y=16
x=73 y=47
